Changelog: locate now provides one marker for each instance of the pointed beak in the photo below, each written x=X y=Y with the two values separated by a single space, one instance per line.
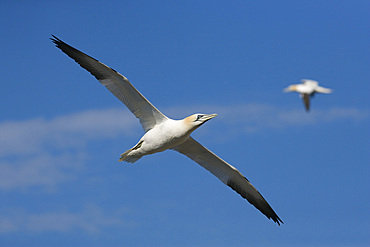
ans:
x=287 y=89
x=208 y=117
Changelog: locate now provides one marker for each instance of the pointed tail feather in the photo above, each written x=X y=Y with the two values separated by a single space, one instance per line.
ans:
x=129 y=159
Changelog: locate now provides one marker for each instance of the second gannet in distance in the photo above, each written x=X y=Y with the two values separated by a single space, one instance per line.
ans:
x=307 y=89
x=162 y=133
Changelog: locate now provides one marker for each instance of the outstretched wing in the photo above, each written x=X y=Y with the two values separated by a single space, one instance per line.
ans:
x=117 y=84
x=319 y=89
x=228 y=174
x=306 y=101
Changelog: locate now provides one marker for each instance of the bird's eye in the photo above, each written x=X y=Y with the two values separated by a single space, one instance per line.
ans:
x=198 y=117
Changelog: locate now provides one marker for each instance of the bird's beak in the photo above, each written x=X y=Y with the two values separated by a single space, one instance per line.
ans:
x=287 y=89
x=208 y=117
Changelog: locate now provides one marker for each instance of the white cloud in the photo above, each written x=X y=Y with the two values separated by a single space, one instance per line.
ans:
x=261 y=117
x=90 y=219
x=41 y=152
x=46 y=153
x=33 y=136
x=43 y=169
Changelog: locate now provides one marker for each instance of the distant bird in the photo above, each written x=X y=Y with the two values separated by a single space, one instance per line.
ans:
x=162 y=133
x=307 y=89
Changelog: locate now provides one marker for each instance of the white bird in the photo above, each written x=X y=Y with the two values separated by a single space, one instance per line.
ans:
x=307 y=89
x=162 y=133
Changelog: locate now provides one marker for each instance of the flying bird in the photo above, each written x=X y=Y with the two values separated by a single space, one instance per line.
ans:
x=162 y=133
x=307 y=89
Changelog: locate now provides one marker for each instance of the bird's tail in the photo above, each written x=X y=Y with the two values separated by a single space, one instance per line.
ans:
x=130 y=157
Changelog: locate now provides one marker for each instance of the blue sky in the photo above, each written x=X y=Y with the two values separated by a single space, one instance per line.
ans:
x=61 y=132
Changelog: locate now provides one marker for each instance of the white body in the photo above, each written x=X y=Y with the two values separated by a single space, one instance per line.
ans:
x=306 y=90
x=163 y=136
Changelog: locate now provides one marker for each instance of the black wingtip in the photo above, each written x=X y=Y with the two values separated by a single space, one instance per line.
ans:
x=273 y=216
x=56 y=40
x=260 y=203
x=277 y=220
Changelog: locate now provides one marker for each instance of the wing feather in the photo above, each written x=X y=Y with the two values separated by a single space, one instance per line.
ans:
x=117 y=84
x=323 y=90
x=228 y=174
x=306 y=101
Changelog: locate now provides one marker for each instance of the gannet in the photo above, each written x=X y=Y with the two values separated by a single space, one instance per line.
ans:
x=307 y=89
x=162 y=133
